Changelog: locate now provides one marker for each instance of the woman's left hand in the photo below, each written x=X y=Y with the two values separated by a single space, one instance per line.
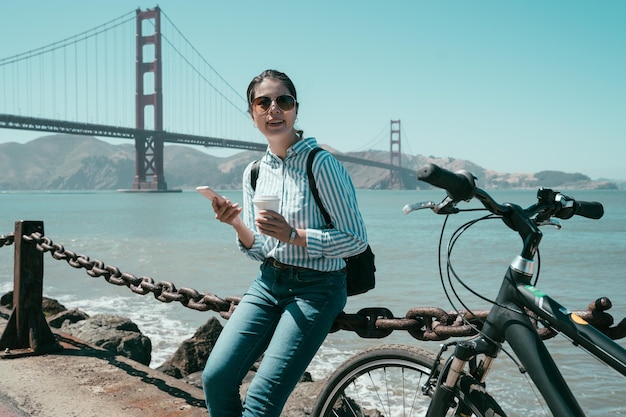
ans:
x=272 y=224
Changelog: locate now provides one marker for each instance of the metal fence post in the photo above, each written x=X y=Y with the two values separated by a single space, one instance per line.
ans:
x=27 y=329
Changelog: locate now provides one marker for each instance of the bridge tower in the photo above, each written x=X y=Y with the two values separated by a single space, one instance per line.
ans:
x=395 y=153
x=149 y=146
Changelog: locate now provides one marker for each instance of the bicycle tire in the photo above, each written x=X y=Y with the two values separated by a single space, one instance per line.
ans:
x=387 y=381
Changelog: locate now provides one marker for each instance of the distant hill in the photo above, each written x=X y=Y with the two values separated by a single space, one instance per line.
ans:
x=69 y=162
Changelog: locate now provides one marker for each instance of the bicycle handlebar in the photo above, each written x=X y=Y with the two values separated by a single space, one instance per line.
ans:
x=589 y=209
x=461 y=186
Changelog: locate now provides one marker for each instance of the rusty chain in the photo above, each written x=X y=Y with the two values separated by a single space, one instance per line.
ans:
x=6 y=240
x=422 y=323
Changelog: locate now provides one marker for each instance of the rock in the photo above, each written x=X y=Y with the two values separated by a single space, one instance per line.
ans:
x=302 y=399
x=194 y=379
x=191 y=355
x=7 y=300
x=118 y=335
x=49 y=306
x=70 y=316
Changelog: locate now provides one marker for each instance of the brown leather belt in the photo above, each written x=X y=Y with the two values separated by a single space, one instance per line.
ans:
x=285 y=267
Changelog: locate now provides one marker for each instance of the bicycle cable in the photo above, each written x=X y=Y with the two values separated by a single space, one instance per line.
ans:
x=456 y=235
x=451 y=272
x=453 y=239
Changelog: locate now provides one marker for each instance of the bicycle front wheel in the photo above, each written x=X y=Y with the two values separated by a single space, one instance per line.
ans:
x=387 y=381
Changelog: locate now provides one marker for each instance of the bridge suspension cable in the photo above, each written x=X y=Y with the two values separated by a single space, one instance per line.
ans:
x=205 y=103
x=75 y=78
x=127 y=17
x=379 y=138
x=243 y=99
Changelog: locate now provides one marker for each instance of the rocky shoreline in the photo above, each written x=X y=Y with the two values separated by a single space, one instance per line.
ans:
x=103 y=337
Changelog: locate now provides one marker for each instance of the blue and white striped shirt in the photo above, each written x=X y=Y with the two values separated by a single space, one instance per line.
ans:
x=326 y=247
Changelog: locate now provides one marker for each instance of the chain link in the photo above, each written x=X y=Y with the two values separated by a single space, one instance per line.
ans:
x=6 y=240
x=422 y=323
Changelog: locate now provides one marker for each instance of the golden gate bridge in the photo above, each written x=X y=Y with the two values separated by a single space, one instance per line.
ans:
x=80 y=84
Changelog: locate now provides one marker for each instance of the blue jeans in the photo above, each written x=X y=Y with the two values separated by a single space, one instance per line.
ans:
x=285 y=315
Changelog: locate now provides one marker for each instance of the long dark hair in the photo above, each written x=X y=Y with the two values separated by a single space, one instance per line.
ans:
x=274 y=75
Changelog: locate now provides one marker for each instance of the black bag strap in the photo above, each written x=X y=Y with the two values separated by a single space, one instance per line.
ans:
x=313 y=185
x=254 y=175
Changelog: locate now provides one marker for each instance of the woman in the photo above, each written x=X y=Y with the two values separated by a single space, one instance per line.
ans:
x=288 y=310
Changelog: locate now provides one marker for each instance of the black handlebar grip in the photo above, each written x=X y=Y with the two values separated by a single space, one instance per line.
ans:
x=589 y=209
x=459 y=185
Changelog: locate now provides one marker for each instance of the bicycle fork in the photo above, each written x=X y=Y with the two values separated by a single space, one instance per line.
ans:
x=465 y=352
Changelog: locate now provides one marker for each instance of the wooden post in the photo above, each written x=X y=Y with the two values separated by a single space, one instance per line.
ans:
x=27 y=328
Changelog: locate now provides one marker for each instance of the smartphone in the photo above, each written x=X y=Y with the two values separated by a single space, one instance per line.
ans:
x=207 y=191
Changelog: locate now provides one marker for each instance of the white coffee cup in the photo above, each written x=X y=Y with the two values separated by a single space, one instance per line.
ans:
x=266 y=202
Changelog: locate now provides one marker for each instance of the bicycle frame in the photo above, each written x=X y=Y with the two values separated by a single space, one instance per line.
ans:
x=508 y=321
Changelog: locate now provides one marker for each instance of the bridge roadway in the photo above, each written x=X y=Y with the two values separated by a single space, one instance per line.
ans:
x=8 y=121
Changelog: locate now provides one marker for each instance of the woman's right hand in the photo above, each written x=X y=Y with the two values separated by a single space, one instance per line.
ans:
x=226 y=211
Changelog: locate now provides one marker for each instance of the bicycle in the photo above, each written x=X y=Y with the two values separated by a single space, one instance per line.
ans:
x=402 y=380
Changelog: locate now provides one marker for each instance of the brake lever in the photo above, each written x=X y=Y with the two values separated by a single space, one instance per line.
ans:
x=418 y=206
x=445 y=207
x=550 y=222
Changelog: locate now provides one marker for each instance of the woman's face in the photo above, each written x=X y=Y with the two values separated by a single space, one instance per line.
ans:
x=275 y=123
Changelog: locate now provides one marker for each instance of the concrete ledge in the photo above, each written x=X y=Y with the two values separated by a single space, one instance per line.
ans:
x=87 y=381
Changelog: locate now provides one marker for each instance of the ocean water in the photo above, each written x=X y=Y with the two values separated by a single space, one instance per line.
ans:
x=174 y=237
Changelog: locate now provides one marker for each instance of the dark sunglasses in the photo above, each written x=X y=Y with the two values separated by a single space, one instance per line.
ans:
x=262 y=104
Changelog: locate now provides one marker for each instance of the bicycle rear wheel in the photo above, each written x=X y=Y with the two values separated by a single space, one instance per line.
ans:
x=387 y=381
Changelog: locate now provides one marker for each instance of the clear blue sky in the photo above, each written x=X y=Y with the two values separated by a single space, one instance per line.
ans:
x=514 y=86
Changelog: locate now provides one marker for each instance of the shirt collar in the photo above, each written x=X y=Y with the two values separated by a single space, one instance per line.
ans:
x=301 y=146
